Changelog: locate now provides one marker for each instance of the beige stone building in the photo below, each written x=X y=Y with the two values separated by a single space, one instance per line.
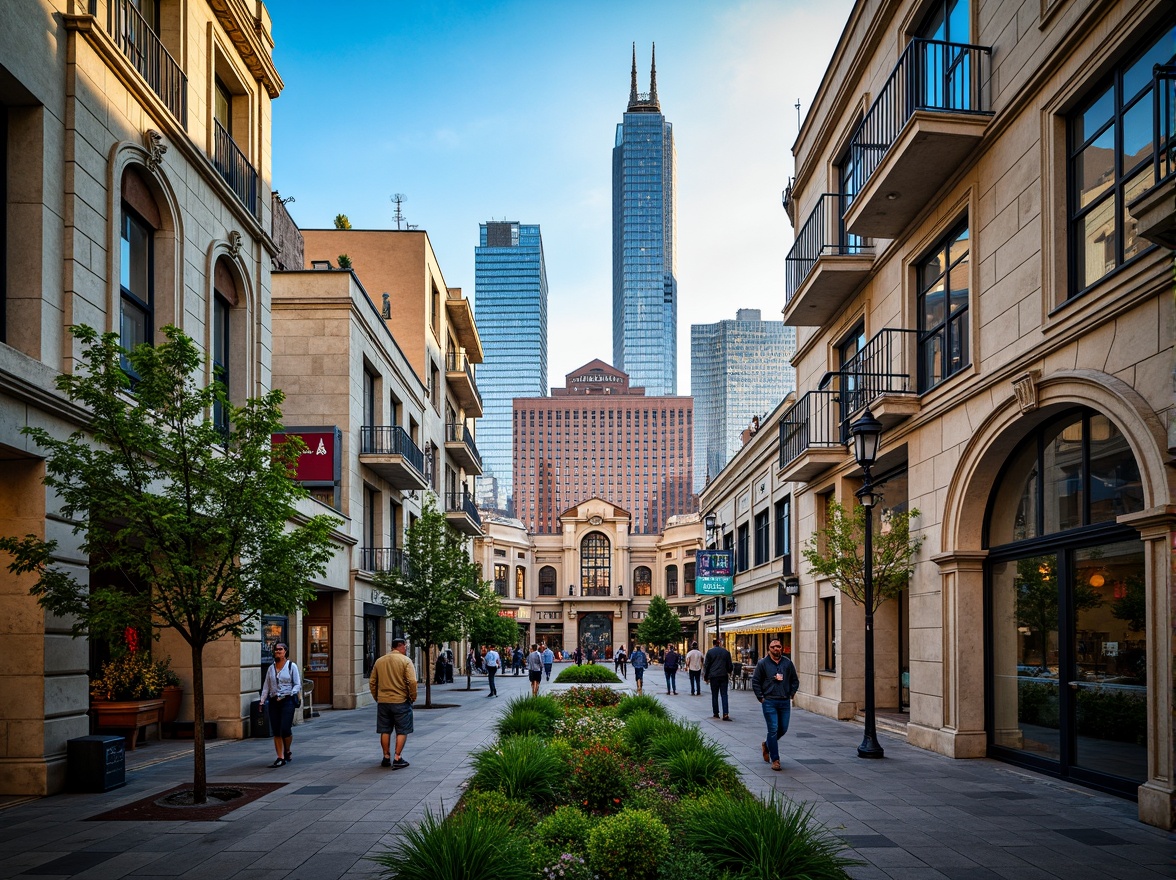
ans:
x=591 y=582
x=983 y=210
x=135 y=146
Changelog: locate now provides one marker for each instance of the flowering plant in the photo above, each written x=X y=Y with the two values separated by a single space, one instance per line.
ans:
x=590 y=697
x=601 y=779
x=569 y=866
x=587 y=729
x=133 y=676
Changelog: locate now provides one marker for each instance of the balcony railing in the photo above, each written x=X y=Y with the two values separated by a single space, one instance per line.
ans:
x=463 y=502
x=232 y=165
x=390 y=440
x=383 y=559
x=139 y=43
x=813 y=422
x=456 y=361
x=823 y=234
x=596 y=591
x=881 y=367
x=459 y=433
x=930 y=75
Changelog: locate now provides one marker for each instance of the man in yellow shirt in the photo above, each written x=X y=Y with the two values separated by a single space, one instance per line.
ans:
x=394 y=688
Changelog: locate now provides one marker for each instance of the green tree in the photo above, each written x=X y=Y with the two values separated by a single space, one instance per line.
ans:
x=661 y=625
x=430 y=595
x=341 y=222
x=842 y=560
x=344 y=261
x=164 y=496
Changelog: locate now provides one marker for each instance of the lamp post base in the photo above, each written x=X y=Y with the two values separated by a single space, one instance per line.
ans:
x=870 y=748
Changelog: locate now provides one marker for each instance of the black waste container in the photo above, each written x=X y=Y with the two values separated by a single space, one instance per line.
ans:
x=258 y=721
x=96 y=763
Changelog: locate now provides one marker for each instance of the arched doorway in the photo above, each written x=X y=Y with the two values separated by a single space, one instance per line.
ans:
x=1066 y=635
x=596 y=632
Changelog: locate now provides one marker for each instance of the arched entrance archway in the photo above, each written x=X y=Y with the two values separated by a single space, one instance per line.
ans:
x=595 y=631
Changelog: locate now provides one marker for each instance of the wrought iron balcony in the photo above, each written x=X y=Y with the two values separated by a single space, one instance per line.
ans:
x=880 y=376
x=810 y=436
x=390 y=452
x=826 y=264
x=462 y=513
x=383 y=559
x=928 y=116
x=135 y=38
x=232 y=165
x=596 y=591
x=1155 y=209
x=459 y=376
x=459 y=443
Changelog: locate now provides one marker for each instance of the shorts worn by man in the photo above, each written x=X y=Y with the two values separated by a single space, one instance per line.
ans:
x=394 y=686
x=535 y=669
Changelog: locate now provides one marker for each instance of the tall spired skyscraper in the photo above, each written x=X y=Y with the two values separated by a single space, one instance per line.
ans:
x=510 y=302
x=645 y=284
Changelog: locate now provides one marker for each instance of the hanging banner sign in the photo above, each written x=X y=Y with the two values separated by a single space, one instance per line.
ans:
x=321 y=462
x=715 y=575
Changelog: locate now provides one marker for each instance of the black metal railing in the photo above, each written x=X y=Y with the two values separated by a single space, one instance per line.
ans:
x=232 y=165
x=823 y=234
x=881 y=367
x=456 y=361
x=383 y=559
x=930 y=75
x=390 y=440
x=813 y=422
x=596 y=591
x=463 y=502
x=135 y=38
x=1164 y=99
x=459 y=433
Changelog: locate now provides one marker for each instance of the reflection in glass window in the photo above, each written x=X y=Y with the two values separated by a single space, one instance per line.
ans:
x=642 y=581
x=595 y=565
x=942 y=308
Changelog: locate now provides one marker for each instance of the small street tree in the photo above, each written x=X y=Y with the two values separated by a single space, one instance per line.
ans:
x=430 y=594
x=842 y=560
x=188 y=519
x=661 y=625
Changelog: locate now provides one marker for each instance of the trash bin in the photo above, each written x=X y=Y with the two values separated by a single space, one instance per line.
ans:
x=96 y=763
x=258 y=721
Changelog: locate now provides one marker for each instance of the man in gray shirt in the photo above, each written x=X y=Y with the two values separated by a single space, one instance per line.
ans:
x=775 y=682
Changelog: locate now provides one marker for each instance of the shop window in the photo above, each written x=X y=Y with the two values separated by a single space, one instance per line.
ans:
x=642 y=581
x=942 y=309
x=547 y=581
x=1110 y=149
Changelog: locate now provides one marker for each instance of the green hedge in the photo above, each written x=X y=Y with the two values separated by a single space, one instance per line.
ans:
x=587 y=674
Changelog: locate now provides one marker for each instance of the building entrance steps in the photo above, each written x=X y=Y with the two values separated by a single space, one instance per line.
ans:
x=914 y=813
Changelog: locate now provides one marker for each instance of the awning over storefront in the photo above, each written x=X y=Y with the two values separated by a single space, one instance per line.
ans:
x=769 y=624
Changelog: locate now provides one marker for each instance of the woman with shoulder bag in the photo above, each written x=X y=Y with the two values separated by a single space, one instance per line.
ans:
x=280 y=696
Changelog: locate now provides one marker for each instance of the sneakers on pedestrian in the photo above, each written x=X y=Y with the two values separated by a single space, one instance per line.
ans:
x=767 y=754
x=775 y=765
x=387 y=762
x=399 y=764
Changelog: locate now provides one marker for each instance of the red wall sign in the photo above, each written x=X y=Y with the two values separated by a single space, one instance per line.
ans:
x=319 y=461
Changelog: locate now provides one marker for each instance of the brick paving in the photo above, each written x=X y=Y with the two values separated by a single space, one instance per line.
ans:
x=912 y=815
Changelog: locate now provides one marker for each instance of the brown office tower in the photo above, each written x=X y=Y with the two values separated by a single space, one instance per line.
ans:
x=597 y=436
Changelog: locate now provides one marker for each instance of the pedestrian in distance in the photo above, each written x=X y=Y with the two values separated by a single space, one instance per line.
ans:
x=620 y=660
x=670 y=664
x=775 y=683
x=518 y=660
x=578 y=655
x=639 y=661
x=493 y=661
x=548 y=659
x=535 y=669
x=694 y=660
x=281 y=694
x=716 y=669
x=393 y=684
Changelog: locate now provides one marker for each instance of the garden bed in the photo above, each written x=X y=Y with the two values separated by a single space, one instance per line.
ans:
x=593 y=784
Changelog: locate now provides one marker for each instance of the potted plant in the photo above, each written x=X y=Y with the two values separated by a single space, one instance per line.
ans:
x=130 y=693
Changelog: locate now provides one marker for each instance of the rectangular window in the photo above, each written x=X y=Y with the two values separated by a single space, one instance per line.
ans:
x=1111 y=149
x=222 y=107
x=136 y=273
x=784 y=531
x=671 y=580
x=742 y=557
x=763 y=548
x=942 y=309
x=501 y=573
x=369 y=398
x=520 y=582
x=688 y=578
x=829 y=634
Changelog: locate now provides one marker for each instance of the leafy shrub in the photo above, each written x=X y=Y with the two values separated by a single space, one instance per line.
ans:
x=685 y=863
x=545 y=704
x=588 y=674
x=601 y=779
x=697 y=770
x=521 y=767
x=777 y=839
x=524 y=721
x=594 y=728
x=628 y=845
x=468 y=845
x=641 y=703
x=676 y=738
x=641 y=728
x=565 y=830
x=589 y=697
x=496 y=805
x=133 y=676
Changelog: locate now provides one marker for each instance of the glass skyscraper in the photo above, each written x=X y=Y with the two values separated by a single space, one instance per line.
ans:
x=510 y=307
x=645 y=285
x=738 y=370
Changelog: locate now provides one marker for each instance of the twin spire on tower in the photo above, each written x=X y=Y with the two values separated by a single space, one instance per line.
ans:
x=639 y=101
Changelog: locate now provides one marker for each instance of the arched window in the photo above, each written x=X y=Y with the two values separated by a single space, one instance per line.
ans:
x=225 y=299
x=595 y=565
x=547 y=581
x=137 y=227
x=671 y=580
x=642 y=581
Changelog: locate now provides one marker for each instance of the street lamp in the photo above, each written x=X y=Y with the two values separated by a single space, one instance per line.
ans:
x=866 y=432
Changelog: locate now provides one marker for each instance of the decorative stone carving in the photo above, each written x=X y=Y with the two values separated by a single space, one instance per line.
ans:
x=235 y=243
x=153 y=143
x=1025 y=387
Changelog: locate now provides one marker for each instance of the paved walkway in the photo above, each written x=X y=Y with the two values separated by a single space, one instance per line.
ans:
x=912 y=815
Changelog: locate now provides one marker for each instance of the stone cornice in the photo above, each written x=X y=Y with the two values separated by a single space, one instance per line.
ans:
x=42 y=395
x=249 y=37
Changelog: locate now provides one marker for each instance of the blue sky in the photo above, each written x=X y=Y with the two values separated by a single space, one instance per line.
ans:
x=508 y=110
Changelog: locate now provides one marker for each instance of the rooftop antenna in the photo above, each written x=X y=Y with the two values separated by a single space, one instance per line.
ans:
x=398 y=216
x=798 y=114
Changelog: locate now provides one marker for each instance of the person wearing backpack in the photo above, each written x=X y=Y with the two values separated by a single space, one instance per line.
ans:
x=281 y=694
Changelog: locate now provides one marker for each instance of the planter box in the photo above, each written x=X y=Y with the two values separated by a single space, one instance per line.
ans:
x=130 y=716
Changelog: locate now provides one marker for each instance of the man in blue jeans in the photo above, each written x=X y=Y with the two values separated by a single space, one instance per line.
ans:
x=775 y=682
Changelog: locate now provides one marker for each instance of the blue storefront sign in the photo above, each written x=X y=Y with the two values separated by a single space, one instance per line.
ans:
x=715 y=573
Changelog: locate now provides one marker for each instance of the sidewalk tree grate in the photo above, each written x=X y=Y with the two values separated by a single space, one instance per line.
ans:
x=150 y=808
